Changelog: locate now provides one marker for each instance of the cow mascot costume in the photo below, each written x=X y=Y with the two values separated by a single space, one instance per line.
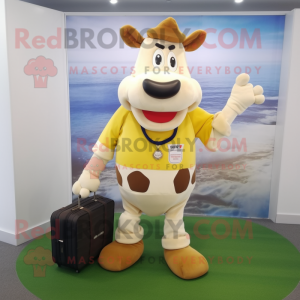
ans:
x=154 y=131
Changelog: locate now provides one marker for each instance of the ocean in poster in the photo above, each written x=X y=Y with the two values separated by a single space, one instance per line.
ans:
x=229 y=183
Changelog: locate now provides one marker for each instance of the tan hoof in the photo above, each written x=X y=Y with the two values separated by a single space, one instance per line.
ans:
x=186 y=263
x=118 y=257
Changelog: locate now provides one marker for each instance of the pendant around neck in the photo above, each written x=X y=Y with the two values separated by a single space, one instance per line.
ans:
x=157 y=154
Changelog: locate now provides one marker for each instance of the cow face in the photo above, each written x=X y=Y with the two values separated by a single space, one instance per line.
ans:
x=161 y=91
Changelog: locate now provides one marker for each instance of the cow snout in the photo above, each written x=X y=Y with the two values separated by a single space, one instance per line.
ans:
x=161 y=90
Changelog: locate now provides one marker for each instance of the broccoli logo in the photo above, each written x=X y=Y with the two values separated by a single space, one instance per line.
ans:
x=39 y=258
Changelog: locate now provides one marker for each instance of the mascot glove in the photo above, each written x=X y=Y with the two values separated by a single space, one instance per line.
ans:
x=244 y=94
x=85 y=184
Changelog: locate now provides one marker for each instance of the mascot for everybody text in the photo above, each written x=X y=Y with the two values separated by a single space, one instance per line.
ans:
x=154 y=130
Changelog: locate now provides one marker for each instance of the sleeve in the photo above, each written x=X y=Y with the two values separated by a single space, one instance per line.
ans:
x=111 y=132
x=202 y=124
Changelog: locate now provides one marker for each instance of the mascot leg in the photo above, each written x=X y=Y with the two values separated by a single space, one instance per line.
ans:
x=183 y=260
x=128 y=246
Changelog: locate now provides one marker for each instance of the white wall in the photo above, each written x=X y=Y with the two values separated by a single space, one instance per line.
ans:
x=39 y=118
x=285 y=198
x=7 y=200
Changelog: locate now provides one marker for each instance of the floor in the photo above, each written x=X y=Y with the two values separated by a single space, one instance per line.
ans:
x=11 y=288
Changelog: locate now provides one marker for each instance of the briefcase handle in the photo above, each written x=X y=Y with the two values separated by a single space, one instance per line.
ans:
x=79 y=197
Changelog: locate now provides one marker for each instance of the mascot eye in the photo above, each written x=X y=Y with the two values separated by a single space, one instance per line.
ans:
x=45 y=68
x=172 y=62
x=158 y=58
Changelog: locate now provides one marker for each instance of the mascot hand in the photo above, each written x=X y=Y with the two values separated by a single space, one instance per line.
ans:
x=244 y=94
x=85 y=184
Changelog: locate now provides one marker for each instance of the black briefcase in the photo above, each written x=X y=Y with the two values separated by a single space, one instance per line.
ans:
x=81 y=230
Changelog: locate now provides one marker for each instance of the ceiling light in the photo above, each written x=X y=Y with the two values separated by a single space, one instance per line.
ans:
x=238 y=1
x=113 y=1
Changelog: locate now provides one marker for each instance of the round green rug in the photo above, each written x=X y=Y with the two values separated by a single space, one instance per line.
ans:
x=247 y=261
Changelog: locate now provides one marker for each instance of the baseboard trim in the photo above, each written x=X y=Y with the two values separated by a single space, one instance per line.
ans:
x=288 y=219
x=26 y=235
x=8 y=237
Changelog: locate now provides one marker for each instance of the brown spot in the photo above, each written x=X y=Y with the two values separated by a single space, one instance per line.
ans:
x=138 y=182
x=119 y=176
x=182 y=180
x=194 y=177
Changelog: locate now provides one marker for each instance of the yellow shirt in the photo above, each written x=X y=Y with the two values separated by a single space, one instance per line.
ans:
x=133 y=150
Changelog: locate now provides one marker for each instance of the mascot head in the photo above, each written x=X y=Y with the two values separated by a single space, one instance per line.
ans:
x=161 y=91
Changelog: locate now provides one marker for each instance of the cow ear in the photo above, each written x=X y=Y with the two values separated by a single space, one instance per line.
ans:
x=131 y=36
x=194 y=40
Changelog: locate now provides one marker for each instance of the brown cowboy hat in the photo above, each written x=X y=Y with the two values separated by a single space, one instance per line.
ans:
x=167 y=30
